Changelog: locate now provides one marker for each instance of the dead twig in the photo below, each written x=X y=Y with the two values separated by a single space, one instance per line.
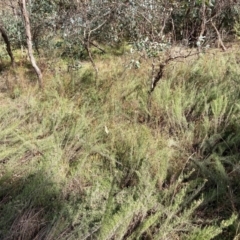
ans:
x=162 y=65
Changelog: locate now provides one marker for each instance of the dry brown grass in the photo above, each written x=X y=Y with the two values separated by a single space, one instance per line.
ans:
x=27 y=225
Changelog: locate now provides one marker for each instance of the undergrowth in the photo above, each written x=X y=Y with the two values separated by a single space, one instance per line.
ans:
x=92 y=159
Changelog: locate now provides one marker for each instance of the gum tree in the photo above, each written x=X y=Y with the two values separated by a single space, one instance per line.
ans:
x=22 y=4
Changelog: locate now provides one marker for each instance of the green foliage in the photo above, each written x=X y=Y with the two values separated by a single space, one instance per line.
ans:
x=152 y=49
x=100 y=159
x=212 y=231
x=15 y=30
x=91 y=158
x=237 y=28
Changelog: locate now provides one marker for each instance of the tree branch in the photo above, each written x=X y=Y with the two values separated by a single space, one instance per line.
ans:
x=7 y=42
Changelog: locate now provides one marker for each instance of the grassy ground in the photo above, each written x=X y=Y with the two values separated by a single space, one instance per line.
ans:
x=103 y=159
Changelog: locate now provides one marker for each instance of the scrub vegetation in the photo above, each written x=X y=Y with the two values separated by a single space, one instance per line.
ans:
x=97 y=152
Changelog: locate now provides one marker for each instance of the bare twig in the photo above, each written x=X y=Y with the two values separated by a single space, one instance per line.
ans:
x=96 y=46
x=159 y=75
x=219 y=37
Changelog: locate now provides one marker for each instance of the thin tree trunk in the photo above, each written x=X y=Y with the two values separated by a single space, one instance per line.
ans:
x=22 y=4
x=203 y=27
x=7 y=42
x=219 y=37
x=87 y=47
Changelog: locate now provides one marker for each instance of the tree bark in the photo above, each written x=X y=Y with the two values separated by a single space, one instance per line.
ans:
x=7 y=42
x=25 y=14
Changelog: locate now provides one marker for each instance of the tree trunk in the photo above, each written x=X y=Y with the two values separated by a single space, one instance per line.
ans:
x=24 y=11
x=220 y=42
x=7 y=42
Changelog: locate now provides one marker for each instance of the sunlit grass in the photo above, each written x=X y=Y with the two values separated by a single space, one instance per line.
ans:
x=100 y=158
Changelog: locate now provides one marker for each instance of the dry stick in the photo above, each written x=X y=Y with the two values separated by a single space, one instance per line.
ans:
x=173 y=30
x=7 y=42
x=86 y=44
x=219 y=37
x=96 y=46
x=22 y=4
x=87 y=47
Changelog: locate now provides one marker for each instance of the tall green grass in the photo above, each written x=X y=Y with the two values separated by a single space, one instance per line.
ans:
x=92 y=159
